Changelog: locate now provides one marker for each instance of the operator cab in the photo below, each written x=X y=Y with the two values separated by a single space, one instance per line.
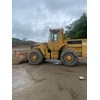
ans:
x=55 y=41
x=56 y=35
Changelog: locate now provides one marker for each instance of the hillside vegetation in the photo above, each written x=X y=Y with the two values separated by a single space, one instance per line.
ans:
x=18 y=43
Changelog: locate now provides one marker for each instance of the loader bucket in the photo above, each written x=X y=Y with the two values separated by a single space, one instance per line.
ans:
x=19 y=56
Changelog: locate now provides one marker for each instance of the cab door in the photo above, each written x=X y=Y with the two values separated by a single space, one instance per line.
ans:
x=54 y=44
x=54 y=41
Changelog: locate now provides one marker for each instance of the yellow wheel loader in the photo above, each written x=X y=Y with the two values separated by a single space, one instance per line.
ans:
x=58 y=47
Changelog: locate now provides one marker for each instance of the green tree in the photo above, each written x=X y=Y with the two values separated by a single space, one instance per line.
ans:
x=78 y=28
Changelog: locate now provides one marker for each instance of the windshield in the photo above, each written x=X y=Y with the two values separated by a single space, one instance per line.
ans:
x=54 y=36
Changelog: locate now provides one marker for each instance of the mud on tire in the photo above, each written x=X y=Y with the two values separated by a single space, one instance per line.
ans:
x=37 y=54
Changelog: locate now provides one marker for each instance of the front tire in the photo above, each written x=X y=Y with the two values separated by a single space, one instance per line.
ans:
x=35 y=57
x=69 y=57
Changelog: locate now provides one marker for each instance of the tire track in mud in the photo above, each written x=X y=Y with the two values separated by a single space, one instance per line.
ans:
x=72 y=92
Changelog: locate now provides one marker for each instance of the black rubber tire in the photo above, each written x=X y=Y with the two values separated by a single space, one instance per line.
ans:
x=39 y=57
x=73 y=54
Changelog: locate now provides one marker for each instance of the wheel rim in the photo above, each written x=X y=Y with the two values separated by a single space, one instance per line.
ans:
x=69 y=58
x=34 y=57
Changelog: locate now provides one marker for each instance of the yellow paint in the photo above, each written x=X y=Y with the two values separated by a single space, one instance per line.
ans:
x=69 y=58
x=53 y=48
x=34 y=57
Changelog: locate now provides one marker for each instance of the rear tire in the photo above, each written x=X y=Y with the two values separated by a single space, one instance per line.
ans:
x=35 y=57
x=69 y=57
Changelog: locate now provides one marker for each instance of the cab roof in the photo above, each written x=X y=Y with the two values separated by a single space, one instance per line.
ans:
x=56 y=29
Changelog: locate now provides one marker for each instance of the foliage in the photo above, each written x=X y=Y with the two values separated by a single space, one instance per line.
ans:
x=78 y=29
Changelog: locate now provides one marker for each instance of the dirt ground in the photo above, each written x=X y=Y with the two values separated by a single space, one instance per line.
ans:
x=49 y=81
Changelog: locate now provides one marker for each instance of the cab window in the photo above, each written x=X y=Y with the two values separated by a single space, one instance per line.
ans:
x=54 y=36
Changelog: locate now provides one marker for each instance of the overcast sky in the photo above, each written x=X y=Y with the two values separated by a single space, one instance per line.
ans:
x=32 y=19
